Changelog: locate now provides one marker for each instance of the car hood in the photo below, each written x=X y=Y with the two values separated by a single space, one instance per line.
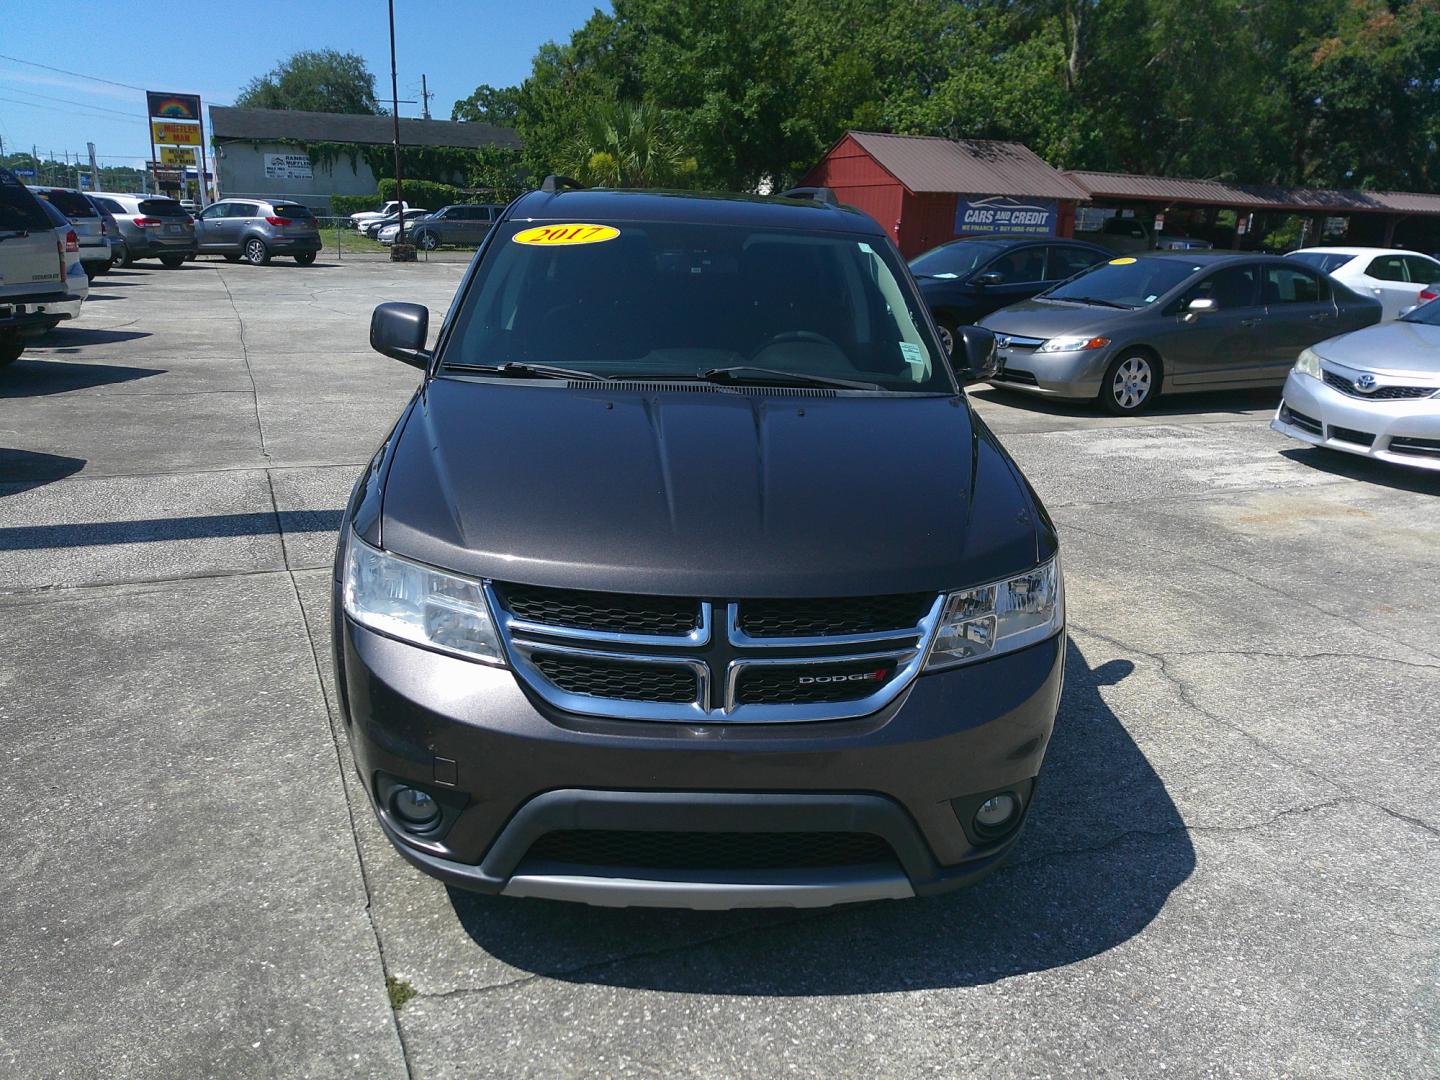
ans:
x=1400 y=348
x=1046 y=319
x=718 y=494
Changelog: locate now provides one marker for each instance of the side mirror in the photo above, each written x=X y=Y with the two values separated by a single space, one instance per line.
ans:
x=399 y=331
x=990 y=277
x=976 y=347
x=1197 y=306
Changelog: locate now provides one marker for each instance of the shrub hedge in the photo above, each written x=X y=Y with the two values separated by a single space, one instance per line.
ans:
x=426 y=193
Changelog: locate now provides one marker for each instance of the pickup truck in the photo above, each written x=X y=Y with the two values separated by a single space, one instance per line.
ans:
x=366 y=217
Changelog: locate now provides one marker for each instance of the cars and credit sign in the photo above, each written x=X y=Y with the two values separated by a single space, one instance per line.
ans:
x=1004 y=214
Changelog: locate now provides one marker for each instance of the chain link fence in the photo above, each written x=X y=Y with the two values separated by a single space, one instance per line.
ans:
x=343 y=241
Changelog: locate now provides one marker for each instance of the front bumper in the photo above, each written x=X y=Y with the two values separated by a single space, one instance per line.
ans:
x=1061 y=375
x=1404 y=432
x=505 y=767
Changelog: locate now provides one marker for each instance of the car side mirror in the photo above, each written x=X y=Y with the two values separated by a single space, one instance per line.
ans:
x=990 y=277
x=977 y=348
x=399 y=331
x=1197 y=306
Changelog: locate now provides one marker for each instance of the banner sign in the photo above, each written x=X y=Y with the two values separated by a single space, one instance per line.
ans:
x=177 y=155
x=167 y=134
x=288 y=167
x=1003 y=214
x=173 y=106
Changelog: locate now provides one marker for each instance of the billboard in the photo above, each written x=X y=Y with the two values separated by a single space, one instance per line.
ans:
x=164 y=133
x=288 y=167
x=1003 y=214
x=173 y=106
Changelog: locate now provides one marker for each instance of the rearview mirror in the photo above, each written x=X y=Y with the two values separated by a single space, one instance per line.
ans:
x=399 y=331
x=976 y=347
x=990 y=277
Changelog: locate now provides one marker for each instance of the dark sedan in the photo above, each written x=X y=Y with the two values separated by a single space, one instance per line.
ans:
x=965 y=280
x=1183 y=321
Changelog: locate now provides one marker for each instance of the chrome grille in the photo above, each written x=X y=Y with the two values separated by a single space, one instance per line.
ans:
x=769 y=661
x=1380 y=393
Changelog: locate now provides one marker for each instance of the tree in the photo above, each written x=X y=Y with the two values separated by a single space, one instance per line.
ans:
x=318 y=81
x=489 y=105
x=628 y=145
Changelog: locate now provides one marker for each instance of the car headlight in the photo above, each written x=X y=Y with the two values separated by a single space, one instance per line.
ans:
x=1000 y=617
x=418 y=603
x=1309 y=364
x=1078 y=343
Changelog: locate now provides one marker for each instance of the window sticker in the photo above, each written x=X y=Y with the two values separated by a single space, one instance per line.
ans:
x=567 y=234
x=1121 y=262
x=1152 y=298
x=913 y=356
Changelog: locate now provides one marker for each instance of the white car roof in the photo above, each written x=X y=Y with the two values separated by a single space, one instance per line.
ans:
x=1362 y=251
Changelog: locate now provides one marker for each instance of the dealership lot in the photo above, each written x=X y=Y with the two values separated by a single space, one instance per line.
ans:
x=1232 y=868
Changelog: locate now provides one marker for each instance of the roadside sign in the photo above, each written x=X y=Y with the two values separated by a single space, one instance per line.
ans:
x=173 y=106
x=166 y=133
x=177 y=155
x=23 y=172
x=1002 y=214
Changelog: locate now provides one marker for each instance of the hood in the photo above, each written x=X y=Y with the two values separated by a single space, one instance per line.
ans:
x=722 y=494
x=1397 y=348
x=1046 y=319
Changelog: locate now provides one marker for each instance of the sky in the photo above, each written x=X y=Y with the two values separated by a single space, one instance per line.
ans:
x=456 y=44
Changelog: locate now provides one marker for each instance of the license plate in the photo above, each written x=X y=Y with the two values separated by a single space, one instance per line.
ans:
x=174 y=230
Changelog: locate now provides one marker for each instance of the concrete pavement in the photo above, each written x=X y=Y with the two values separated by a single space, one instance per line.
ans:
x=1233 y=868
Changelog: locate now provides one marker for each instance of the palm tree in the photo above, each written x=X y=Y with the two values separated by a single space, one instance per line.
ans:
x=628 y=144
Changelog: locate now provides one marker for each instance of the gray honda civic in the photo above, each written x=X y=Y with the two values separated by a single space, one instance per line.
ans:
x=1123 y=331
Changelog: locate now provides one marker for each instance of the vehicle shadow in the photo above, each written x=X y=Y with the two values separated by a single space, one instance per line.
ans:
x=34 y=377
x=1104 y=849
x=22 y=470
x=1338 y=463
x=68 y=338
x=155 y=530
x=1238 y=402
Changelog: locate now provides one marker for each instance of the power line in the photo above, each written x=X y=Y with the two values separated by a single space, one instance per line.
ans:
x=38 y=105
x=68 y=101
x=76 y=74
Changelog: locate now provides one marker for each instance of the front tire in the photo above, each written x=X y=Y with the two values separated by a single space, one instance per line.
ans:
x=256 y=253
x=428 y=241
x=172 y=262
x=946 y=326
x=1131 y=384
x=305 y=258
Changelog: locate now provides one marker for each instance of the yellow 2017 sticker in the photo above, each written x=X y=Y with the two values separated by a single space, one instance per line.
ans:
x=571 y=233
x=1121 y=262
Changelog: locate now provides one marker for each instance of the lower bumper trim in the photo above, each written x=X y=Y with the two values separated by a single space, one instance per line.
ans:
x=795 y=889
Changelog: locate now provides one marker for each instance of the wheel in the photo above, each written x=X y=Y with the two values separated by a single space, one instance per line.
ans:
x=256 y=253
x=172 y=262
x=946 y=326
x=305 y=258
x=1131 y=384
x=428 y=241
x=11 y=346
x=126 y=259
x=231 y=256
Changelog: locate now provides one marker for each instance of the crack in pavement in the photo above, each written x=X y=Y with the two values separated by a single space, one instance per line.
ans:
x=245 y=355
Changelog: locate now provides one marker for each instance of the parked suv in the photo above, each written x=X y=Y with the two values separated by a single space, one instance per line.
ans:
x=767 y=617
x=41 y=278
x=256 y=229
x=459 y=224
x=89 y=226
x=152 y=226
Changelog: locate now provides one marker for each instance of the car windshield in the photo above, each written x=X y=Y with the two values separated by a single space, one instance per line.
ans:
x=666 y=300
x=162 y=208
x=20 y=211
x=1126 y=282
x=292 y=210
x=953 y=260
x=70 y=203
x=1429 y=314
x=1325 y=261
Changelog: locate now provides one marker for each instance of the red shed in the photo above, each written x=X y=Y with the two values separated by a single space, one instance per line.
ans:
x=927 y=190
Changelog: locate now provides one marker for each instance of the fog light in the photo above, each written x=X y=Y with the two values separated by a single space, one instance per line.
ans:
x=996 y=811
x=415 y=808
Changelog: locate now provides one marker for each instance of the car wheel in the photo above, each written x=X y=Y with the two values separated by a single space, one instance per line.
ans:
x=11 y=346
x=1131 y=384
x=428 y=240
x=126 y=259
x=256 y=253
x=946 y=326
x=172 y=262
x=231 y=256
x=305 y=258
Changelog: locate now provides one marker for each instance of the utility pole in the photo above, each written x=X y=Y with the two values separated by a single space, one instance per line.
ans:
x=425 y=97
x=399 y=251
x=94 y=168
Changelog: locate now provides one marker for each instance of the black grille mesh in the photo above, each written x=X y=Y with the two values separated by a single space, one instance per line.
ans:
x=1384 y=393
x=1405 y=445
x=786 y=685
x=610 y=679
x=1350 y=435
x=840 y=615
x=710 y=851
x=617 y=613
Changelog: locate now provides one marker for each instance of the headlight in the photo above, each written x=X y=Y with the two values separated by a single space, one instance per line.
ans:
x=1073 y=344
x=1309 y=364
x=416 y=603
x=999 y=618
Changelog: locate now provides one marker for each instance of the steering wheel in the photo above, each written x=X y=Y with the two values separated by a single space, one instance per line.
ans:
x=809 y=336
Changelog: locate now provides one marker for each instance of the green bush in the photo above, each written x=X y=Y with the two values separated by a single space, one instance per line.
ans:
x=345 y=205
x=426 y=193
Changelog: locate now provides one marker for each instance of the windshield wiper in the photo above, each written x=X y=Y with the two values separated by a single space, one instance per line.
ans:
x=743 y=373
x=1095 y=300
x=528 y=371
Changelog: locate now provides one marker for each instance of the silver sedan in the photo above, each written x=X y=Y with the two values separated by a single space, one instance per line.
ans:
x=1375 y=392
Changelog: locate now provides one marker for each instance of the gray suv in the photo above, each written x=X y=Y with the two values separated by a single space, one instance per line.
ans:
x=89 y=226
x=256 y=229
x=151 y=226
x=458 y=224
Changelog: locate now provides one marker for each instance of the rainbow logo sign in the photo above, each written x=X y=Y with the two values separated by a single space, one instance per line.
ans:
x=173 y=106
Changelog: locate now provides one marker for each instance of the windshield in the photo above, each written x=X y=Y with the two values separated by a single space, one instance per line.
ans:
x=1127 y=282
x=953 y=260
x=162 y=208
x=70 y=203
x=677 y=300
x=1429 y=314
x=291 y=210
x=1324 y=261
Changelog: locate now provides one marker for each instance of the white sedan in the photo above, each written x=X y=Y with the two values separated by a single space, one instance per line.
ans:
x=1373 y=392
x=1395 y=278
